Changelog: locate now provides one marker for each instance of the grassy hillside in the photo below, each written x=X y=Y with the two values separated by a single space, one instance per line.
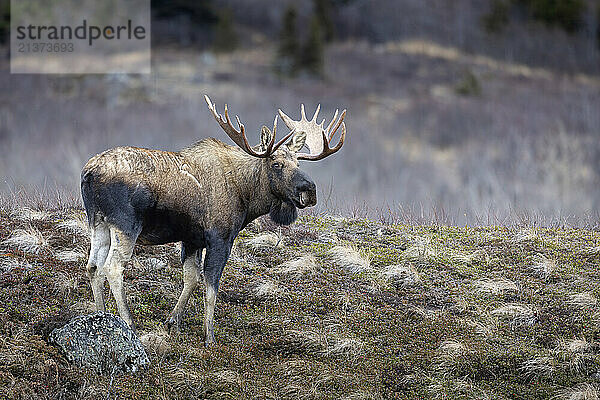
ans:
x=327 y=308
x=429 y=125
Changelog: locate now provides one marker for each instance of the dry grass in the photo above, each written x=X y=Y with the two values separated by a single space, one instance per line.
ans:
x=525 y=235
x=154 y=264
x=28 y=240
x=539 y=367
x=577 y=354
x=300 y=266
x=496 y=286
x=71 y=255
x=267 y=289
x=26 y=214
x=350 y=259
x=156 y=343
x=584 y=391
x=266 y=240
x=404 y=275
x=227 y=376
x=421 y=251
x=517 y=314
x=451 y=355
x=75 y=224
x=350 y=348
x=487 y=327
x=583 y=300
x=66 y=284
x=543 y=267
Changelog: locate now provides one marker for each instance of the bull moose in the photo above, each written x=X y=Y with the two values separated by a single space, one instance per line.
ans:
x=201 y=196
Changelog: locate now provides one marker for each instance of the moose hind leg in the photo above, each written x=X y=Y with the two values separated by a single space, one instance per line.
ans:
x=191 y=278
x=121 y=249
x=100 y=245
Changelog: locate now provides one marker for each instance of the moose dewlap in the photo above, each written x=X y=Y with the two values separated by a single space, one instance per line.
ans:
x=201 y=196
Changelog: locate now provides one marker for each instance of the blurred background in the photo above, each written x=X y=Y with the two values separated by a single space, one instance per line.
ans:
x=462 y=111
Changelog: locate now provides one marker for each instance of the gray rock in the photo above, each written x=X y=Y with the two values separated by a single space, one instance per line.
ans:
x=102 y=342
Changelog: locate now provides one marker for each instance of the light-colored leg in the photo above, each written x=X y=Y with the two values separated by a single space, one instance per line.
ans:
x=209 y=313
x=121 y=249
x=191 y=278
x=100 y=245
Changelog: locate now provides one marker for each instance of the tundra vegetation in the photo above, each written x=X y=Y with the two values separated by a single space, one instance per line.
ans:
x=327 y=308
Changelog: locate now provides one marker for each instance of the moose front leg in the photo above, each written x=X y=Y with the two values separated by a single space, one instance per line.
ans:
x=214 y=263
x=191 y=278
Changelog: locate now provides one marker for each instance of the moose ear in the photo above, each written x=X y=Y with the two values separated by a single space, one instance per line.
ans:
x=265 y=138
x=297 y=142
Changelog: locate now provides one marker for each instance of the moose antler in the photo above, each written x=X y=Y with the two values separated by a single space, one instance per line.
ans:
x=239 y=136
x=317 y=138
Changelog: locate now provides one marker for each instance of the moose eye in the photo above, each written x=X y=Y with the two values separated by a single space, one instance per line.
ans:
x=277 y=165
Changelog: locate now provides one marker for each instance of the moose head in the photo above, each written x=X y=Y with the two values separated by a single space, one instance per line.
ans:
x=287 y=181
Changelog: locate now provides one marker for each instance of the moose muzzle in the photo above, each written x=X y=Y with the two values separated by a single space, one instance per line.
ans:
x=306 y=192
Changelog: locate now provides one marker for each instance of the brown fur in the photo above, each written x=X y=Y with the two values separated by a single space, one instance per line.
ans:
x=210 y=173
x=208 y=192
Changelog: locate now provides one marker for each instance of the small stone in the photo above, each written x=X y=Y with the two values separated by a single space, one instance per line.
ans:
x=102 y=342
x=156 y=343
